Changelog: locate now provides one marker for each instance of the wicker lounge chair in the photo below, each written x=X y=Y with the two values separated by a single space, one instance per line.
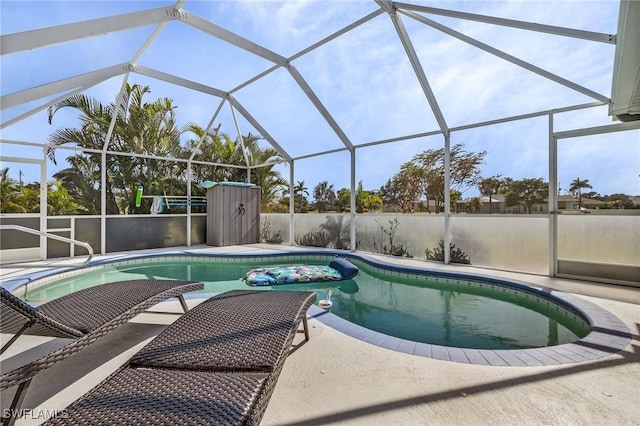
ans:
x=217 y=364
x=85 y=316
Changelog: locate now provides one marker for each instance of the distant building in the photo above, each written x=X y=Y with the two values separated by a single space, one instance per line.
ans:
x=498 y=205
x=569 y=202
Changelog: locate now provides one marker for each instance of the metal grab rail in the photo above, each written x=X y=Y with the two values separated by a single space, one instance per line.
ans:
x=52 y=236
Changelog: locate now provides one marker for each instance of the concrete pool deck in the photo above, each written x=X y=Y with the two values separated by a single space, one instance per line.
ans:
x=338 y=379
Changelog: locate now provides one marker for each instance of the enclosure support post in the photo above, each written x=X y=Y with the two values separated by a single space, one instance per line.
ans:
x=553 y=200
x=447 y=198
x=352 y=230
x=189 y=176
x=43 y=205
x=292 y=210
x=103 y=204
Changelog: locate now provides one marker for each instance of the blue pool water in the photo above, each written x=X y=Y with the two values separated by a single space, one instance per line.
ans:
x=430 y=309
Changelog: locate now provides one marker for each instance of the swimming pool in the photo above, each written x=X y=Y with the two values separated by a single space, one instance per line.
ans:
x=405 y=309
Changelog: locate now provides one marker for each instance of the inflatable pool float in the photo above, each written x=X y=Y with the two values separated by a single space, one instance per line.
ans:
x=338 y=269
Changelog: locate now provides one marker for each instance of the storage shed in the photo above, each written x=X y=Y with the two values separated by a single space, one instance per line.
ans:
x=233 y=214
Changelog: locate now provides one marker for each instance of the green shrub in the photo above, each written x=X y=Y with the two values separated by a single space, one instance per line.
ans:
x=267 y=236
x=382 y=241
x=314 y=239
x=456 y=255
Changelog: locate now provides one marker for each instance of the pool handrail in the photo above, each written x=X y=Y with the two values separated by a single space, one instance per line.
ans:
x=54 y=237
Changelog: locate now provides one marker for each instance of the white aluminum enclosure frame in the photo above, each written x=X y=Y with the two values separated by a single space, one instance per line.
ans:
x=396 y=11
x=553 y=173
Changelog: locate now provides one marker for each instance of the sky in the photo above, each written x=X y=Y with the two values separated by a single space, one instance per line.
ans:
x=363 y=78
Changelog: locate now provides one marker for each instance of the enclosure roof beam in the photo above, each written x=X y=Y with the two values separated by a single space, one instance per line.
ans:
x=195 y=149
x=319 y=106
x=310 y=48
x=245 y=155
x=234 y=39
x=158 y=157
x=34 y=39
x=238 y=106
x=44 y=106
x=337 y=34
x=506 y=56
x=523 y=25
x=50 y=89
x=598 y=130
x=120 y=108
x=153 y=36
x=170 y=78
x=320 y=153
x=417 y=66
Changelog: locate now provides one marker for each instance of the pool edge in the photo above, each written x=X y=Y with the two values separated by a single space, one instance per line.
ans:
x=608 y=335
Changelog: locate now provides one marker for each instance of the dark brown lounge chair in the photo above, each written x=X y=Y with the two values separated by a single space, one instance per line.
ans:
x=85 y=316
x=217 y=364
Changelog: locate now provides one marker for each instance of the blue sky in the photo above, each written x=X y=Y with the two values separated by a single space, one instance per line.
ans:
x=363 y=78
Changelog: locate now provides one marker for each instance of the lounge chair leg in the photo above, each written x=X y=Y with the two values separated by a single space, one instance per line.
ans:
x=306 y=328
x=16 y=404
x=183 y=303
x=15 y=337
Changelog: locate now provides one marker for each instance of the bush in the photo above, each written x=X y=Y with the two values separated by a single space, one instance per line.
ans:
x=314 y=239
x=266 y=236
x=456 y=255
x=383 y=241
x=394 y=250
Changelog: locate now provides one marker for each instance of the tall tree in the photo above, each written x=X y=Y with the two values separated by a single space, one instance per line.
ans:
x=423 y=175
x=526 y=192
x=390 y=194
x=324 y=195
x=146 y=128
x=576 y=186
x=490 y=186
x=94 y=124
x=410 y=184
x=361 y=196
x=300 y=193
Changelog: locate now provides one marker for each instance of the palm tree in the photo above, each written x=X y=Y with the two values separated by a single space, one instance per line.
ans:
x=577 y=185
x=149 y=129
x=82 y=179
x=300 y=192
x=270 y=181
x=220 y=148
x=9 y=193
x=95 y=119
x=141 y=127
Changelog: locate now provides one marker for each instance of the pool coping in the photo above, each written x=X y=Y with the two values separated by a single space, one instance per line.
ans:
x=609 y=335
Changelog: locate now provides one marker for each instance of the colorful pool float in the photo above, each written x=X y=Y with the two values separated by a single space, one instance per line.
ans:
x=339 y=269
